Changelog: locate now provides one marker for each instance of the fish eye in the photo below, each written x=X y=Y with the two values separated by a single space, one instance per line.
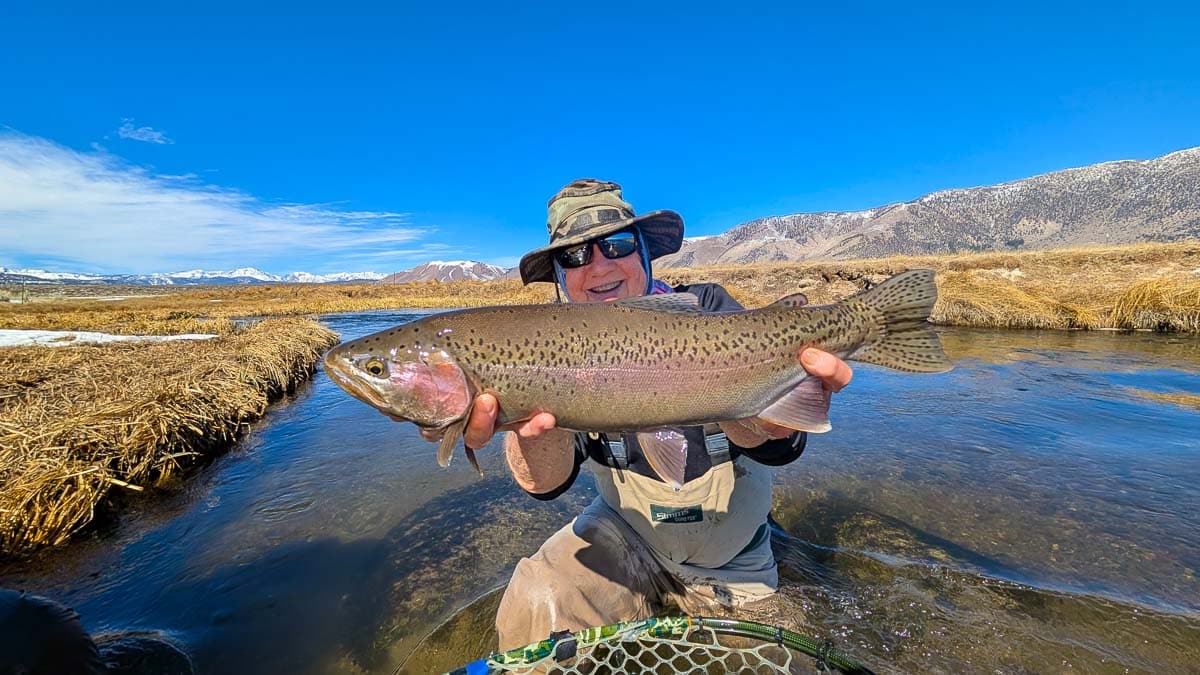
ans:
x=376 y=367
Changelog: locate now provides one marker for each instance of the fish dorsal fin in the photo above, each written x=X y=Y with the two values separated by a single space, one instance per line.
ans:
x=793 y=300
x=667 y=302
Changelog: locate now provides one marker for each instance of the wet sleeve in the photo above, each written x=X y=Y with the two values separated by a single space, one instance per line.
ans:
x=776 y=452
x=580 y=456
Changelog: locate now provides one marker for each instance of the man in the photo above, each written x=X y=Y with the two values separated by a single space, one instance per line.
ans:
x=642 y=544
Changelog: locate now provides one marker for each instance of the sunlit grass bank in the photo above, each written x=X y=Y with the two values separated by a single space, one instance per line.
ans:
x=1143 y=286
x=1146 y=286
x=78 y=422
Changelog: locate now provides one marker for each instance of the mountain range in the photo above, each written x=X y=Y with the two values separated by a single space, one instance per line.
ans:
x=1119 y=202
x=454 y=270
x=243 y=275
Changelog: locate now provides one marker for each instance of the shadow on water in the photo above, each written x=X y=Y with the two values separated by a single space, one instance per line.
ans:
x=324 y=605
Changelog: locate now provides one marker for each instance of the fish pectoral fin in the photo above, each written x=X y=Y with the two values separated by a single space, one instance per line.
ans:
x=666 y=451
x=686 y=303
x=804 y=408
x=450 y=438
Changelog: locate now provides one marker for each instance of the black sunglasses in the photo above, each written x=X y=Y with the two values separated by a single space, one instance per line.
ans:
x=614 y=246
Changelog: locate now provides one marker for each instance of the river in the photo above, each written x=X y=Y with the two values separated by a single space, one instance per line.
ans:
x=1035 y=510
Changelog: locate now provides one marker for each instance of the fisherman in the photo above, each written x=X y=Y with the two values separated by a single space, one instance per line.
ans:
x=642 y=545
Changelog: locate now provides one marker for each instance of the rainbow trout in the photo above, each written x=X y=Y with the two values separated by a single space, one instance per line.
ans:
x=640 y=365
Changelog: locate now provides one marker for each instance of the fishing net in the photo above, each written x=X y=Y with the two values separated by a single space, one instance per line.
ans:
x=669 y=645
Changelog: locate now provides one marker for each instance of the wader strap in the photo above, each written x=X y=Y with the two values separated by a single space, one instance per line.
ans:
x=717 y=445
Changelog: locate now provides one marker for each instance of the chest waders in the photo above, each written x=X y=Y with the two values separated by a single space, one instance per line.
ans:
x=717 y=520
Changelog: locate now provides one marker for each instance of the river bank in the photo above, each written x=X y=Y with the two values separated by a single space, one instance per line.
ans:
x=78 y=423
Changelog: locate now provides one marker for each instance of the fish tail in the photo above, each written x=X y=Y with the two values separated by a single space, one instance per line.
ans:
x=902 y=305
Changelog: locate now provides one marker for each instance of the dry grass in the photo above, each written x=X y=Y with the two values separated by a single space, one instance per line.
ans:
x=1142 y=286
x=210 y=309
x=78 y=422
x=1152 y=286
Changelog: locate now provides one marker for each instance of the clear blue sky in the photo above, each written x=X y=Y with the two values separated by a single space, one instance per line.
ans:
x=283 y=137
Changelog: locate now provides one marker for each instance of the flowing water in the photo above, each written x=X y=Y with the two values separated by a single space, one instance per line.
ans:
x=1035 y=510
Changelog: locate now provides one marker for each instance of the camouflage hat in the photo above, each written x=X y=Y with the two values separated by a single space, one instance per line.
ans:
x=588 y=208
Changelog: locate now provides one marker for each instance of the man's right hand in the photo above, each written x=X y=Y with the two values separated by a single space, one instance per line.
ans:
x=481 y=425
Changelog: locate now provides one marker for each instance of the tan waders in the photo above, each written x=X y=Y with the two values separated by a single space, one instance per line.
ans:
x=641 y=546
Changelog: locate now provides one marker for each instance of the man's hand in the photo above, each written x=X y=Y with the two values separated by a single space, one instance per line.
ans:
x=834 y=375
x=538 y=452
x=481 y=425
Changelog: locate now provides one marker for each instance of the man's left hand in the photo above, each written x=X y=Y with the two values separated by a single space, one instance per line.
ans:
x=834 y=375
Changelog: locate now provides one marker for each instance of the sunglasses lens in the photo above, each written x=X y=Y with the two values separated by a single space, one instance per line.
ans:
x=575 y=256
x=618 y=245
x=612 y=247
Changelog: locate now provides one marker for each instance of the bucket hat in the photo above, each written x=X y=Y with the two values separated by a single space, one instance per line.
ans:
x=588 y=209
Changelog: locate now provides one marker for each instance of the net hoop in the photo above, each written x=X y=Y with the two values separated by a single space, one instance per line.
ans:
x=676 y=644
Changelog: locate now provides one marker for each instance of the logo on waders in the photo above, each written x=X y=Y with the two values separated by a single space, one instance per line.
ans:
x=676 y=514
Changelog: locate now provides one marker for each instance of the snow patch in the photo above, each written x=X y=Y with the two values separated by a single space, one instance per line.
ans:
x=65 y=338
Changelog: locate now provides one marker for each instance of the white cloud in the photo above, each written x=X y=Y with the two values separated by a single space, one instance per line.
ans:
x=146 y=134
x=91 y=211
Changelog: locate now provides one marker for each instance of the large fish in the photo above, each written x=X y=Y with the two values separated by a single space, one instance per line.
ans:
x=641 y=365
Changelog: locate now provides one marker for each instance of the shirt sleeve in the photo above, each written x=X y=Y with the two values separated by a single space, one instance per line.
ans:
x=776 y=452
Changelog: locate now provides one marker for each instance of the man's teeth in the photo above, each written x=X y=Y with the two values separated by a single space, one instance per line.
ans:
x=605 y=288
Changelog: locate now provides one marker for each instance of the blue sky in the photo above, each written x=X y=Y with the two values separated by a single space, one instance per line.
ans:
x=282 y=137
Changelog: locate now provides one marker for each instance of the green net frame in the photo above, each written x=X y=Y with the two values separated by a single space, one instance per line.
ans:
x=678 y=644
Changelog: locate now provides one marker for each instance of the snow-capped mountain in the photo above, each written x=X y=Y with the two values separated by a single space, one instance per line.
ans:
x=242 y=275
x=453 y=270
x=306 y=278
x=239 y=273
x=1118 y=202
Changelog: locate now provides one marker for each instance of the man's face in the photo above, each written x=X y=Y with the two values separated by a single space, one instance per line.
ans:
x=603 y=279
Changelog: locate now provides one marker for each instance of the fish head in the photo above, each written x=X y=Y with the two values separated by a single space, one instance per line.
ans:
x=424 y=386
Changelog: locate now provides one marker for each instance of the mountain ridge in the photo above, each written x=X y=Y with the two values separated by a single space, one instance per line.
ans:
x=1117 y=202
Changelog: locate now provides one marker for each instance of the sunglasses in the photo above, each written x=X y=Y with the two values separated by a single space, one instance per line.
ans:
x=614 y=246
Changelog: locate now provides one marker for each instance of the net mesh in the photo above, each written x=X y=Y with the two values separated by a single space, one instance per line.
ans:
x=670 y=645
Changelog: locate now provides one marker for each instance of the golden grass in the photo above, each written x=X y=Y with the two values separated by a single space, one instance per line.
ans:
x=1141 y=286
x=76 y=422
x=1149 y=286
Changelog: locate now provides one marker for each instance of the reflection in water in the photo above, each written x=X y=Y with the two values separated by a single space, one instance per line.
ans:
x=1029 y=511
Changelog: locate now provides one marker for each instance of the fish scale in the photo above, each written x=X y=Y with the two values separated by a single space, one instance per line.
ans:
x=637 y=364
